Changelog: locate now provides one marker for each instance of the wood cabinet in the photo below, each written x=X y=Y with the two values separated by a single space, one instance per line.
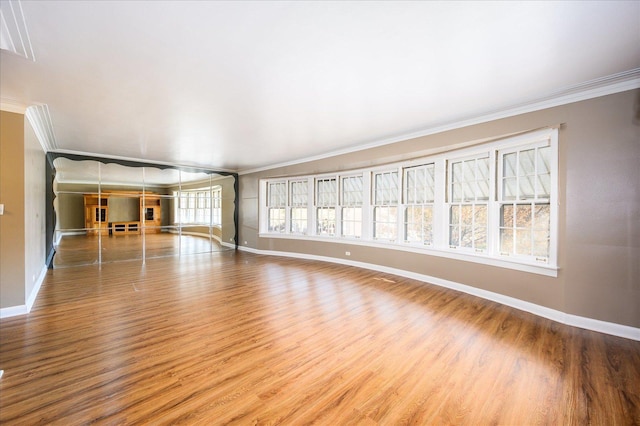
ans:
x=151 y=213
x=96 y=214
x=97 y=221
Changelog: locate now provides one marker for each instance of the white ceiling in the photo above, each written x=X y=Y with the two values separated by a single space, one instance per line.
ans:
x=243 y=85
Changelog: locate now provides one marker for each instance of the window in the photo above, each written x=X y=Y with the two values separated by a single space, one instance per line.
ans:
x=298 y=203
x=277 y=202
x=326 y=200
x=468 y=205
x=494 y=203
x=195 y=206
x=351 y=199
x=524 y=197
x=419 y=195
x=385 y=205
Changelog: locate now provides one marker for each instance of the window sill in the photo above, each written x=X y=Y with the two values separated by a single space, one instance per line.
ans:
x=501 y=262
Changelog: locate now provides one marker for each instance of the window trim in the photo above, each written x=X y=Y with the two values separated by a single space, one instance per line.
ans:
x=440 y=246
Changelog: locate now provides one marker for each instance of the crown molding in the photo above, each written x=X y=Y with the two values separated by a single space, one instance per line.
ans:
x=14 y=35
x=40 y=119
x=615 y=83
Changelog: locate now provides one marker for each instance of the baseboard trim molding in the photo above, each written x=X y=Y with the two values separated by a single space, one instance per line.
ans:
x=199 y=234
x=13 y=311
x=36 y=288
x=614 y=329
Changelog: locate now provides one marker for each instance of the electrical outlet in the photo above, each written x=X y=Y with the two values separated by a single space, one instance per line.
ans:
x=347 y=253
x=1 y=209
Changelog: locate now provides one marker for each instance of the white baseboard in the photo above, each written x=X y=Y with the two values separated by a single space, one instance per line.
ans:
x=36 y=289
x=13 y=311
x=614 y=329
x=198 y=234
x=61 y=234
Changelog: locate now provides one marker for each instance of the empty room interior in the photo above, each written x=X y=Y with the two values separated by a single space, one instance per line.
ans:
x=273 y=212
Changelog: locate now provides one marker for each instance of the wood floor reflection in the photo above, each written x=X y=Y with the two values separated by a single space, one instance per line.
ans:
x=78 y=250
x=236 y=338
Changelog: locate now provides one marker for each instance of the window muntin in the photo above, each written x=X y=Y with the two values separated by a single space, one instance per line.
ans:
x=386 y=188
x=469 y=191
x=351 y=200
x=498 y=200
x=326 y=201
x=419 y=195
x=298 y=203
x=524 y=202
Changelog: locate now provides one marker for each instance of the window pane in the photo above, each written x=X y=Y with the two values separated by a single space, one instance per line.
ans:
x=326 y=192
x=509 y=165
x=509 y=188
x=352 y=222
x=466 y=215
x=277 y=194
x=544 y=186
x=299 y=220
x=523 y=241
x=385 y=223
x=542 y=217
x=352 y=190
x=541 y=244
x=276 y=219
x=506 y=215
x=326 y=221
x=523 y=216
x=527 y=163
x=454 y=235
x=386 y=188
x=506 y=241
x=419 y=224
x=299 y=193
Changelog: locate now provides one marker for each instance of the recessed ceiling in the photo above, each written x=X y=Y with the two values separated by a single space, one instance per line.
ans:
x=243 y=85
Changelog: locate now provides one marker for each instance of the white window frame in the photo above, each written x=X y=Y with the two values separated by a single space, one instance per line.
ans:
x=422 y=204
x=393 y=201
x=535 y=200
x=450 y=203
x=324 y=205
x=296 y=205
x=343 y=204
x=440 y=247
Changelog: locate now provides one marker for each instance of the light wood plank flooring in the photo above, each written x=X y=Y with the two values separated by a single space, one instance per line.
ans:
x=237 y=338
x=79 y=250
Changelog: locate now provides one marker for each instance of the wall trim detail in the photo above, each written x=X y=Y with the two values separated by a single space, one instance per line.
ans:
x=614 y=329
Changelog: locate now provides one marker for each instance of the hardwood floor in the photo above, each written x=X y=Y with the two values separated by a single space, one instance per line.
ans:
x=80 y=250
x=237 y=338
